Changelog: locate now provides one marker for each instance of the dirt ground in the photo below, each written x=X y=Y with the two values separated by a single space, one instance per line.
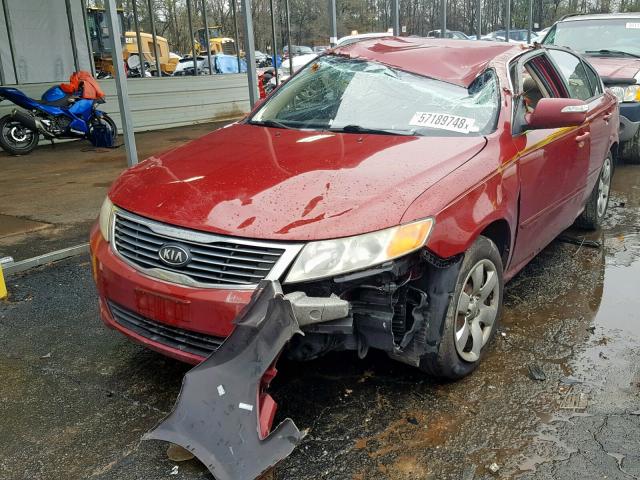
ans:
x=75 y=398
x=49 y=198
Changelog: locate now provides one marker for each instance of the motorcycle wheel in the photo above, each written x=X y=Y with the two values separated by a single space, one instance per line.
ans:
x=16 y=138
x=106 y=119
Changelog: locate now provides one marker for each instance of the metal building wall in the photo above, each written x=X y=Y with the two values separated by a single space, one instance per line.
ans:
x=158 y=103
x=40 y=42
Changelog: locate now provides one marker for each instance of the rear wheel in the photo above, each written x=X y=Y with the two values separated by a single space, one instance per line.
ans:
x=16 y=138
x=107 y=121
x=473 y=314
x=596 y=208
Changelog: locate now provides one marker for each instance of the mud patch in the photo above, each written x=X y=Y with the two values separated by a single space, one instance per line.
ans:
x=10 y=225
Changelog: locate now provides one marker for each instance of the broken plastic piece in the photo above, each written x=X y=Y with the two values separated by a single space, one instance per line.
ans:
x=537 y=373
x=310 y=310
x=226 y=432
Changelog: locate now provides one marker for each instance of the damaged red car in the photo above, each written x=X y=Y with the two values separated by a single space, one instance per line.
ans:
x=391 y=188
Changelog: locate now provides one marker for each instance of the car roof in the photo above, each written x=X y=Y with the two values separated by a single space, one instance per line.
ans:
x=453 y=61
x=598 y=16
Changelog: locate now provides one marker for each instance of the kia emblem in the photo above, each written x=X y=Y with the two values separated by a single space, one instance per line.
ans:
x=174 y=255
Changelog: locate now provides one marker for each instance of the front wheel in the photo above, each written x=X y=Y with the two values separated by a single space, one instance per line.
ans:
x=596 y=208
x=473 y=314
x=16 y=138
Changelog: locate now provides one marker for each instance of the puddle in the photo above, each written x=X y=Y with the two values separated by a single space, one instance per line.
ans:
x=620 y=305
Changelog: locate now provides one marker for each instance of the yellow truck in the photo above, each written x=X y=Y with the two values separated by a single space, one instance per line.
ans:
x=99 y=35
x=217 y=43
x=168 y=62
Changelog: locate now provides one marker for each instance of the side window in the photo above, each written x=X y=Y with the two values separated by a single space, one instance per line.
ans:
x=573 y=71
x=594 y=79
x=530 y=86
x=550 y=39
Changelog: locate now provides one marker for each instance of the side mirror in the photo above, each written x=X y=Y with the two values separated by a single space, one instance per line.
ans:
x=557 y=113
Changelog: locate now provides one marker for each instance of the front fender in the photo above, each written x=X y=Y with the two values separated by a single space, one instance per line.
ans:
x=468 y=200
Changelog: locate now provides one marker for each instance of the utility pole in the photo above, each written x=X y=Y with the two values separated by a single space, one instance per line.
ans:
x=250 y=52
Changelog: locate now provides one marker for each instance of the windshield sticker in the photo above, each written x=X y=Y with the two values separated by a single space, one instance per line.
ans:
x=633 y=25
x=443 y=121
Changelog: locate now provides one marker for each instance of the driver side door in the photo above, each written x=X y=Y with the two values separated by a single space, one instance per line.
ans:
x=552 y=163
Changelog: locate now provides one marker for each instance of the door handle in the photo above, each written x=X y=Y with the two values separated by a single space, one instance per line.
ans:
x=583 y=137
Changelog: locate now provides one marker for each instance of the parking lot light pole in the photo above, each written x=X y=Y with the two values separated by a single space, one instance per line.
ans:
x=250 y=51
x=530 y=21
x=479 y=20
x=395 y=16
x=507 y=30
x=136 y=24
x=333 y=23
x=121 y=82
x=443 y=13
x=193 y=40
x=206 y=29
x=154 y=38
x=274 y=43
x=286 y=7
x=235 y=30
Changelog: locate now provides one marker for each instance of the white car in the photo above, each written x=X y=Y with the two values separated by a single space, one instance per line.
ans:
x=349 y=39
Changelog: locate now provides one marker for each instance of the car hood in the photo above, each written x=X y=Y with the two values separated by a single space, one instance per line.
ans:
x=619 y=67
x=269 y=183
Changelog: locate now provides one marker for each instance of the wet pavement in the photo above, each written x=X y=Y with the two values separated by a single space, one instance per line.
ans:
x=75 y=398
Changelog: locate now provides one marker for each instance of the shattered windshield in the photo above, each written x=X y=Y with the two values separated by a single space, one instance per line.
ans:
x=340 y=94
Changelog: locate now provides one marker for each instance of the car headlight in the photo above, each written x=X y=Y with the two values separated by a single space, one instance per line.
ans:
x=105 y=218
x=627 y=93
x=328 y=258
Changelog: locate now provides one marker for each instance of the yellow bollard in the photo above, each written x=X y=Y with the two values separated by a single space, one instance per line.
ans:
x=3 y=286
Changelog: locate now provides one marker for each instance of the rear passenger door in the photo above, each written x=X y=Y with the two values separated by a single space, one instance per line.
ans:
x=552 y=163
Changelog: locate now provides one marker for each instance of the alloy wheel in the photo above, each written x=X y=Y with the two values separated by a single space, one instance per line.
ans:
x=477 y=310
x=17 y=135
x=604 y=186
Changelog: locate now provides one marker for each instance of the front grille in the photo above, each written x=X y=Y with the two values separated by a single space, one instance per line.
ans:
x=216 y=260
x=183 y=340
x=229 y=48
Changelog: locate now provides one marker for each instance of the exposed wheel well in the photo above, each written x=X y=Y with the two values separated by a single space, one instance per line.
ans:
x=500 y=234
x=614 y=153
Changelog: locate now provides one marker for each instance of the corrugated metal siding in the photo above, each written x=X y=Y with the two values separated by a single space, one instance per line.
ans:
x=158 y=103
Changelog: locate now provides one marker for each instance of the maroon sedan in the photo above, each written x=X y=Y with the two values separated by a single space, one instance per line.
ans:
x=406 y=179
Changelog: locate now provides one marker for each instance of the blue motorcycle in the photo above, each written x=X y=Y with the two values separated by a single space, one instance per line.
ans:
x=56 y=115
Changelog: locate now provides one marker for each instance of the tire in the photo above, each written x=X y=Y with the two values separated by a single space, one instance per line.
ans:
x=107 y=120
x=112 y=125
x=595 y=210
x=630 y=150
x=16 y=138
x=456 y=358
